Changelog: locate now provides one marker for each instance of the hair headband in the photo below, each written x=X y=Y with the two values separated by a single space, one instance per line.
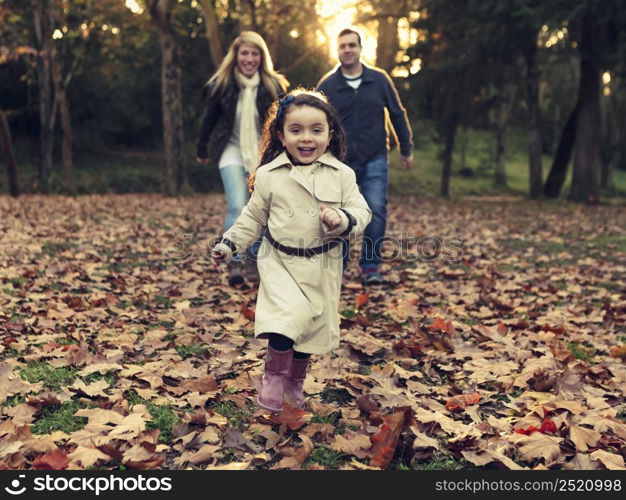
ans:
x=285 y=101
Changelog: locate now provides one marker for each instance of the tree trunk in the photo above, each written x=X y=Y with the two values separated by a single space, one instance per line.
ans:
x=212 y=32
x=43 y=35
x=500 y=170
x=463 y=141
x=609 y=155
x=558 y=171
x=9 y=156
x=66 y=123
x=175 y=175
x=619 y=95
x=615 y=130
x=446 y=173
x=388 y=43
x=585 y=185
x=606 y=174
x=534 y=134
x=503 y=114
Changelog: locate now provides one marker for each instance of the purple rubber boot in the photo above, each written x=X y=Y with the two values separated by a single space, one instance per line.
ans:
x=294 y=382
x=272 y=388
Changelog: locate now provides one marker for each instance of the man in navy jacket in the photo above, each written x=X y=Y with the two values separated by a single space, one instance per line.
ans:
x=361 y=95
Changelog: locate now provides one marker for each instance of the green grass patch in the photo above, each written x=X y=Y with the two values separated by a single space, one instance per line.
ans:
x=442 y=463
x=53 y=248
x=67 y=341
x=364 y=370
x=335 y=395
x=59 y=418
x=18 y=282
x=100 y=168
x=133 y=398
x=469 y=321
x=579 y=352
x=507 y=268
x=187 y=351
x=110 y=377
x=9 y=353
x=608 y=243
x=56 y=287
x=332 y=419
x=52 y=378
x=326 y=457
x=168 y=325
x=163 y=301
x=237 y=417
x=163 y=416
x=14 y=400
x=611 y=286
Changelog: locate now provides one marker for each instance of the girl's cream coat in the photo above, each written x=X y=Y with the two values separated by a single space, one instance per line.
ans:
x=299 y=296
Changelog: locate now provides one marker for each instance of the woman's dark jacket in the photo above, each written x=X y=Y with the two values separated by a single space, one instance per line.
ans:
x=219 y=117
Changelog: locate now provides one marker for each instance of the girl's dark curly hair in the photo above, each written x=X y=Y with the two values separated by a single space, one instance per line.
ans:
x=272 y=147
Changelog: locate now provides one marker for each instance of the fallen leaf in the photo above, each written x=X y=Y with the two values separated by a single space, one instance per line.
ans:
x=458 y=403
x=88 y=457
x=352 y=443
x=539 y=445
x=292 y=417
x=204 y=454
x=384 y=442
x=247 y=312
x=610 y=460
x=440 y=325
x=583 y=437
x=55 y=460
x=229 y=466
x=361 y=300
x=619 y=352
x=295 y=456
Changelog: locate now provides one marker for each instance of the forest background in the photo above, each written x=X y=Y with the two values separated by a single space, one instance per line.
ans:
x=519 y=96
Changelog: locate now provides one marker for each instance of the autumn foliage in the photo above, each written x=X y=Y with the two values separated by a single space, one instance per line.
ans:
x=120 y=344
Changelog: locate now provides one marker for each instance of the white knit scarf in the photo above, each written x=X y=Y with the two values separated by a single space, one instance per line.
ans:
x=248 y=134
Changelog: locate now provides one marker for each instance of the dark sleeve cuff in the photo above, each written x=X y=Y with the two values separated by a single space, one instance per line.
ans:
x=351 y=222
x=229 y=244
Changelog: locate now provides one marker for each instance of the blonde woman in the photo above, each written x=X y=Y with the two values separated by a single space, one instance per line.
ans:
x=237 y=98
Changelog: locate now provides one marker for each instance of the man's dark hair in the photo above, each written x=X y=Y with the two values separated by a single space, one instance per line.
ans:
x=349 y=31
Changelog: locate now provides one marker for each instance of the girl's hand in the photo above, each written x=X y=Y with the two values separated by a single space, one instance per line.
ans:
x=221 y=253
x=217 y=256
x=329 y=217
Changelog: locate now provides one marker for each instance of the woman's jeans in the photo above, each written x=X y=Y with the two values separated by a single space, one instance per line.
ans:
x=372 y=179
x=235 y=179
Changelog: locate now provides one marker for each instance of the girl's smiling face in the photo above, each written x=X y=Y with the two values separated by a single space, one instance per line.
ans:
x=306 y=133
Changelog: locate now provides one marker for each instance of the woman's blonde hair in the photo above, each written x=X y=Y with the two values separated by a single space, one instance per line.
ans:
x=273 y=81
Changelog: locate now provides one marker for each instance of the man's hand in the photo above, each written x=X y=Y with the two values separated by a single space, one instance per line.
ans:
x=406 y=161
x=329 y=217
x=202 y=161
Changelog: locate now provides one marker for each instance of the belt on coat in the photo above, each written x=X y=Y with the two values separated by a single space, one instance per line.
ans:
x=301 y=252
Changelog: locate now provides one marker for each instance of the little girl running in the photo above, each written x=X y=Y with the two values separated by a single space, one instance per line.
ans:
x=305 y=200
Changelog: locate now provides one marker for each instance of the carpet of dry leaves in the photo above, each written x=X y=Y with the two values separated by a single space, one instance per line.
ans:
x=511 y=357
